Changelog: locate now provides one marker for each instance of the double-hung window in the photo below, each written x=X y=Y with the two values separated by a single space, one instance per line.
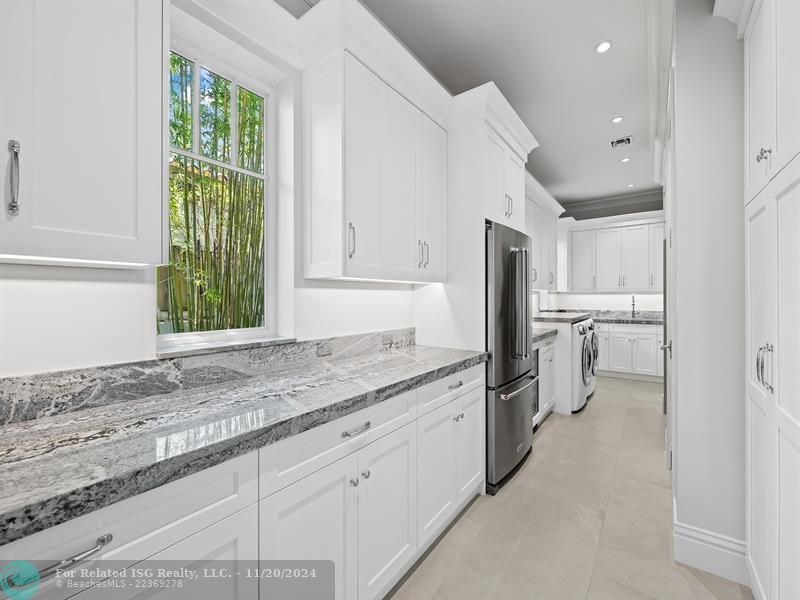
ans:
x=216 y=277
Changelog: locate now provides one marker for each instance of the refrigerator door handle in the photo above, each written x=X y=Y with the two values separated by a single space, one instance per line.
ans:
x=526 y=325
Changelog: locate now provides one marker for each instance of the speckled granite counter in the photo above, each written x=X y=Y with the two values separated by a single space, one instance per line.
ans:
x=540 y=334
x=644 y=317
x=560 y=317
x=55 y=468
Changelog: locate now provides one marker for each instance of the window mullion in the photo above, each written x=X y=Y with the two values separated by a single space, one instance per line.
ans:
x=196 y=107
x=234 y=123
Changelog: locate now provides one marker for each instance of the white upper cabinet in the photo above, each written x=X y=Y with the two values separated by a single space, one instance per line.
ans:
x=376 y=172
x=583 y=260
x=609 y=259
x=542 y=228
x=505 y=183
x=635 y=244
x=772 y=60
x=82 y=96
x=657 y=231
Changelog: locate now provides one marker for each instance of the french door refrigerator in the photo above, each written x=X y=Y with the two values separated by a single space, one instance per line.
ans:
x=512 y=371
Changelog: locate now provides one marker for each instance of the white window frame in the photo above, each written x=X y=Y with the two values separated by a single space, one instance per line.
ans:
x=170 y=343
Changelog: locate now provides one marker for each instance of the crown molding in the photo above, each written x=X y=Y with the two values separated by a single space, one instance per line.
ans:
x=738 y=12
x=535 y=192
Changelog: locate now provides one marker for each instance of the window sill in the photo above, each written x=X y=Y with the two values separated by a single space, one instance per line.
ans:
x=183 y=349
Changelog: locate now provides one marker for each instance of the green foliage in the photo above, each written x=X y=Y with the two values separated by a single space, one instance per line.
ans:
x=215 y=276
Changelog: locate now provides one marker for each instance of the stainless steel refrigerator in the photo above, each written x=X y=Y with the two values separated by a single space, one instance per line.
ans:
x=512 y=371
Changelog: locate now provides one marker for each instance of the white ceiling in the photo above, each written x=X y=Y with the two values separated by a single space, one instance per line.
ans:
x=540 y=53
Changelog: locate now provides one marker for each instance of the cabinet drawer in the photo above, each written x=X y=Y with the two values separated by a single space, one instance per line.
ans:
x=289 y=460
x=444 y=390
x=148 y=523
x=602 y=327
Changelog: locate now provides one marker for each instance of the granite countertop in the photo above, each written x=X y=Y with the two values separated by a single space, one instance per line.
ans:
x=59 y=467
x=560 y=317
x=644 y=317
x=542 y=333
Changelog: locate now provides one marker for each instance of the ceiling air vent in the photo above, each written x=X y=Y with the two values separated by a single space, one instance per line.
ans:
x=623 y=141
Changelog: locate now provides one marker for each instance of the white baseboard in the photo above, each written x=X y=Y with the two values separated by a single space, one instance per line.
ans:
x=631 y=376
x=709 y=551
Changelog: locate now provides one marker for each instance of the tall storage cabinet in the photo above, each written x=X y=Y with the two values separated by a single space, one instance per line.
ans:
x=376 y=173
x=82 y=98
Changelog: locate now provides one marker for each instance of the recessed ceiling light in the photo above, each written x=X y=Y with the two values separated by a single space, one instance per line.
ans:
x=626 y=159
x=617 y=119
x=603 y=47
x=631 y=184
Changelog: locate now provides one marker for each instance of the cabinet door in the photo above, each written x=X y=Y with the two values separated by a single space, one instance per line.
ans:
x=387 y=509
x=470 y=434
x=609 y=267
x=602 y=352
x=437 y=469
x=619 y=352
x=787 y=55
x=549 y=240
x=515 y=188
x=657 y=256
x=532 y=230
x=315 y=519
x=89 y=126
x=583 y=260
x=760 y=285
x=544 y=379
x=433 y=200
x=761 y=99
x=781 y=373
x=644 y=359
x=399 y=145
x=365 y=110
x=495 y=196
x=635 y=257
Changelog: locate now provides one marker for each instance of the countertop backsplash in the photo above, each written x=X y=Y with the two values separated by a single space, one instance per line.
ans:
x=41 y=395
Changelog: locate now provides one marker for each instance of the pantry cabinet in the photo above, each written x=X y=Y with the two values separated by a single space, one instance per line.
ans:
x=376 y=172
x=627 y=258
x=81 y=131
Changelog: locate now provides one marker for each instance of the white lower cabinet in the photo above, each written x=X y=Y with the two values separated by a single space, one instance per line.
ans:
x=470 y=435
x=631 y=349
x=547 y=380
x=602 y=352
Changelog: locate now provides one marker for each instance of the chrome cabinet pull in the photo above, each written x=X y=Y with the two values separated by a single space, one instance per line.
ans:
x=510 y=205
x=763 y=154
x=768 y=349
x=761 y=369
x=354 y=481
x=419 y=247
x=352 y=229
x=535 y=274
x=51 y=570
x=455 y=386
x=758 y=365
x=551 y=277
x=357 y=430
x=619 y=280
x=13 y=205
x=366 y=474
x=427 y=249
x=594 y=281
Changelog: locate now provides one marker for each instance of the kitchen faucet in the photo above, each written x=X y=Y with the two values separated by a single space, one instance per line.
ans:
x=633 y=306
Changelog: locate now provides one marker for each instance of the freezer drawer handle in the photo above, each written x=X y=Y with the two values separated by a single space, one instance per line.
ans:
x=357 y=430
x=519 y=391
x=48 y=572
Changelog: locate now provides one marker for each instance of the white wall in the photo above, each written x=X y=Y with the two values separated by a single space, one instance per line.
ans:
x=708 y=261
x=606 y=301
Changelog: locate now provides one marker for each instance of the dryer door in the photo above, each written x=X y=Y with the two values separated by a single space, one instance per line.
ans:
x=595 y=352
x=587 y=360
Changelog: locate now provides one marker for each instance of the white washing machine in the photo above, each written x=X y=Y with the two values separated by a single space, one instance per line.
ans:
x=582 y=363
x=595 y=344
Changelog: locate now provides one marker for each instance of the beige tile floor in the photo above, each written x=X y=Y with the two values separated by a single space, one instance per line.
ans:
x=587 y=516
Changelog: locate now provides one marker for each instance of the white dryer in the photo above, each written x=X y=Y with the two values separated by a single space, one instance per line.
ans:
x=582 y=361
x=595 y=345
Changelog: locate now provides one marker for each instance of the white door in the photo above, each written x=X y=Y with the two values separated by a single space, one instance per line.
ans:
x=365 y=109
x=433 y=199
x=619 y=352
x=315 y=519
x=781 y=374
x=602 y=359
x=515 y=188
x=760 y=286
x=81 y=93
x=635 y=257
x=609 y=273
x=787 y=56
x=645 y=354
x=583 y=260
x=657 y=256
x=387 y=509
x=436 y=461
x=761 y=100
x=495 y=195
x=399 y=144
x=470 y=434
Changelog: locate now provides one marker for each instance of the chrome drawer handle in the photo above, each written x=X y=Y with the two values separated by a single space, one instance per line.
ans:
x=421 y=254
x=427 y=254
x=352 y=229
x=366 y=474
x=519 y=391
x=51 y=570
x=357 y=430
x=13 y=205
x=354 y=481
x=455 y=386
